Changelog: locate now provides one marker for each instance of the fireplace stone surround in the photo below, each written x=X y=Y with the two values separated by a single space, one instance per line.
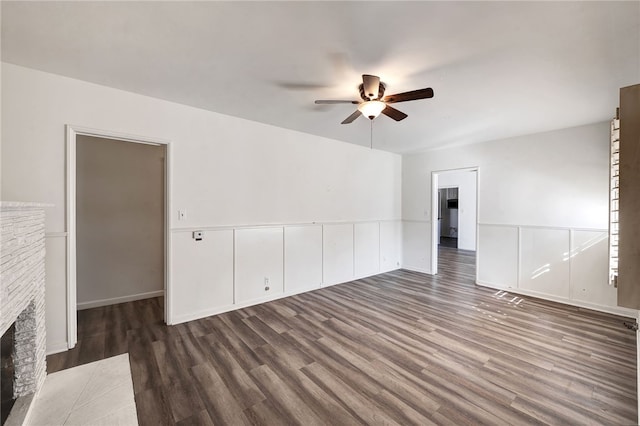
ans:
x=22 y=295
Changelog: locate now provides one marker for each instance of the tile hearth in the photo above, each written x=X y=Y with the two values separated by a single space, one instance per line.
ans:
x=99 y=393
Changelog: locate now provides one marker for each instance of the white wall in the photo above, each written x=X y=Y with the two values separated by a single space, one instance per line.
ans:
x=543 y=212
x=1 y=198
x=227 y=173
x=465 y=181
x=119 y=221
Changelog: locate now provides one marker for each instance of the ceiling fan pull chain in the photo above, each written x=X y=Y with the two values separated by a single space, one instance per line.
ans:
x=371 y=133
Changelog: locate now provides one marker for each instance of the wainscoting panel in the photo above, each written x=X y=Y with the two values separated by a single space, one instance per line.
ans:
x=202 y=273
x=589 y=266
x=227 y=269
x=302 y=258
x=560 y=264
x=498 y=255
x=367 y=249
x=259 y=263
x=544 y=261
x=390 y=245
x=337 y=246
x=416 y=250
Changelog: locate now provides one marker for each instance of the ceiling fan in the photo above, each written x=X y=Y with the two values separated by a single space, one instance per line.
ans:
x=374 y=102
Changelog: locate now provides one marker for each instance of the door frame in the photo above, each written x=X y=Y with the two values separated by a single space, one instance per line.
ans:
x=72 y=132
x=434 y=211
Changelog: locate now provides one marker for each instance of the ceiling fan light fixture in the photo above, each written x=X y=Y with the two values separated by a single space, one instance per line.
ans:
x=371 y=109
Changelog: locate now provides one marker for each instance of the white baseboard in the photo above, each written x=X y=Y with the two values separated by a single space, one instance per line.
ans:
x=178 y=319
x=615 y=310
x=56 y=348
x=116 y=300
x=417 y=269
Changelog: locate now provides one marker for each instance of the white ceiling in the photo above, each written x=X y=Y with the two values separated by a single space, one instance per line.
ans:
x=498 y=69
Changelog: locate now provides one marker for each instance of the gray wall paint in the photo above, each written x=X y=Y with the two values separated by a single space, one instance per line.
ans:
x=120 y=220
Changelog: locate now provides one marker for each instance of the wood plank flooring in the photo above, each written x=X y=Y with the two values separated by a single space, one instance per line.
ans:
x=397 y=348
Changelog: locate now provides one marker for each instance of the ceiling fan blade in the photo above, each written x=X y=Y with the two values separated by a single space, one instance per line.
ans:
x=329 y=102
x=352 y=117
x=413 y=95
x=371 y=84
x=394 y=113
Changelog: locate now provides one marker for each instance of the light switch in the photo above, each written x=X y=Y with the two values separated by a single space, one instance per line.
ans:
x=182 y=214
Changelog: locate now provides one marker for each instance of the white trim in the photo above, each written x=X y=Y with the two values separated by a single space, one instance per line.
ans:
x=168 y=300
x=72 y=317
x=108 y=134
x=477 y=221
x=121 y=299
x=556 y=228
x=278 y=225
x=234 y=261
x=435 y=223
x=178 y=319
x=415 y=269
x=615 y=310
x=72 y=132
x=353 y=244
x=519 y=257
x=434 y=211
x=571 y=265
x=55 y=235
x=56 y=348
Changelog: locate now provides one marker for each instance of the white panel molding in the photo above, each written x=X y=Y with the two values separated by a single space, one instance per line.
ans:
x=259 y=255
x=615 y=310
x=416 y=246
x=55 y=235
x=366 y=249
x=302 y=254
x=573 y=298
x=416 y=269
x=180 y=317
x=555 y=228
x=338 y=253
x=281 y=224
x=56 y=348
x=390 y=246
x=497 y=255
x=122 y=299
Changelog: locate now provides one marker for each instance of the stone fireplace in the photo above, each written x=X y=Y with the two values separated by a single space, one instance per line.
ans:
x=22 y=287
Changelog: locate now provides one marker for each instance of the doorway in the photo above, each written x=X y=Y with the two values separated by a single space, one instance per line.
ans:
x=454 y=204
x=448 y=217
x=117 y=221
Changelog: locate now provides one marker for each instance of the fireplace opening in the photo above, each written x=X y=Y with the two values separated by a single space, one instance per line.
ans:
x=7 y=344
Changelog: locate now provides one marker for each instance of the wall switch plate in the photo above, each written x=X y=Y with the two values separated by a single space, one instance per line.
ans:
x=182 y=214
x=198 y=235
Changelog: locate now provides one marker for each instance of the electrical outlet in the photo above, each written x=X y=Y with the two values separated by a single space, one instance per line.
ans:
x=266 y=284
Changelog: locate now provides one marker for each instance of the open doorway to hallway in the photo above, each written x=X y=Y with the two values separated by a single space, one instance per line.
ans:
x=455 y=211
x=448 y=217
x=118 y=199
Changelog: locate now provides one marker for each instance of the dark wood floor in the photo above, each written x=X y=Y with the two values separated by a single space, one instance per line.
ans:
x=448 y=242
x=398 y=348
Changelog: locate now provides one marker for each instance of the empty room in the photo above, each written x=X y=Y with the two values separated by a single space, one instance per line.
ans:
x=319 y=212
